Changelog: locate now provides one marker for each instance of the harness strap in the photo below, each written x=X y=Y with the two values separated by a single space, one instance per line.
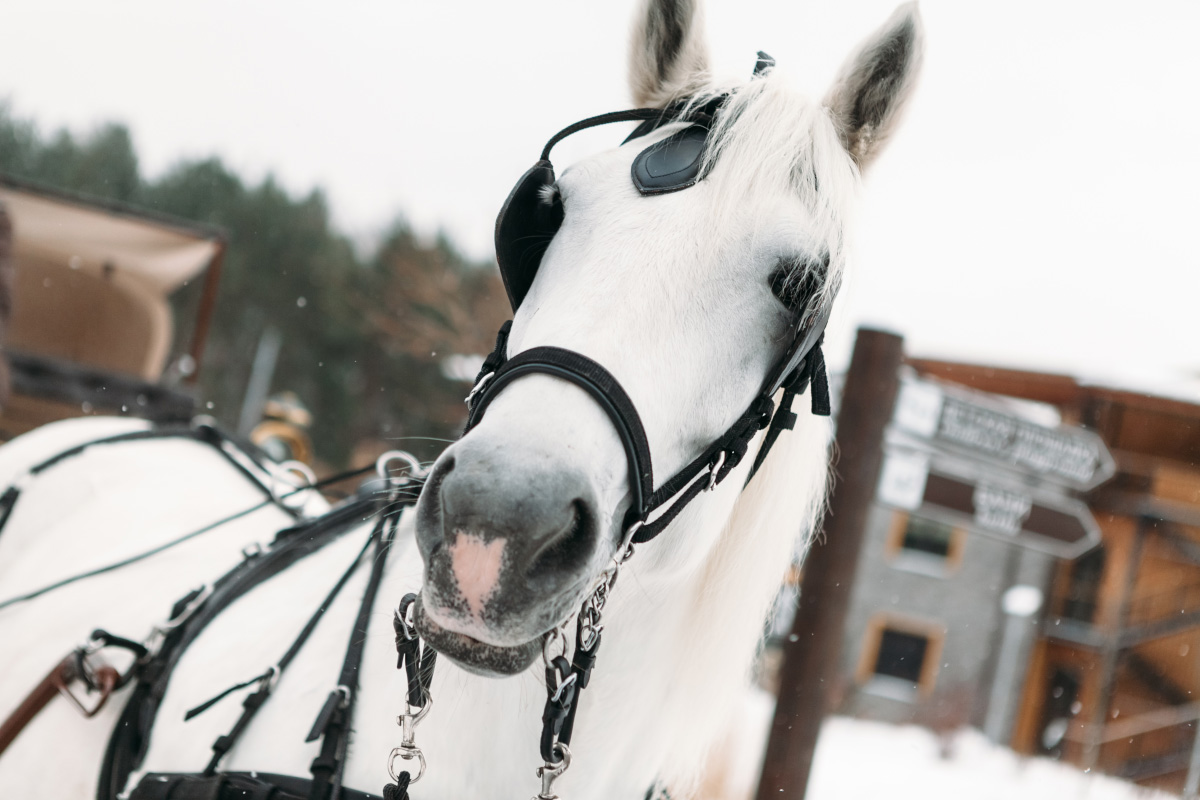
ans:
x=604 y=389
x=266 y=682
x=230 y=786
x=333 y=723
x=131 y=737
x=200 y=432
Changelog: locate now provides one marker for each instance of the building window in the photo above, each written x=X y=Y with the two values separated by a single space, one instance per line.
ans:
x=919 y=544
x=899 y=657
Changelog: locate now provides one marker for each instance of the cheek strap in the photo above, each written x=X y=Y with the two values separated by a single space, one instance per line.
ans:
x=704 y=472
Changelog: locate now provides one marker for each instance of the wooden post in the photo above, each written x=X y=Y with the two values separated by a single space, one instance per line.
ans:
x=208 y=300
x=811 y=654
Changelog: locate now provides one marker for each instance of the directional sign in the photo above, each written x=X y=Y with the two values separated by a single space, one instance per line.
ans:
x=981 y=426
x=960 y=494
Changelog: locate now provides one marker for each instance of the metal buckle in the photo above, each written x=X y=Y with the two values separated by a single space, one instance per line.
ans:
x=716 y=467
x=102 y=676
x=478 y=387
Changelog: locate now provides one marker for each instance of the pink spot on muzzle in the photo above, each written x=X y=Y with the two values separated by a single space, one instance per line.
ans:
x=476 y=566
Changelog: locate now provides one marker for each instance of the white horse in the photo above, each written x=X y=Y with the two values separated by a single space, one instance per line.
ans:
x=671 y=293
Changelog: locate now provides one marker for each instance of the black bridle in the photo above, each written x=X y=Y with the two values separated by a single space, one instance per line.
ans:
x=529 y=220
x=527 y=223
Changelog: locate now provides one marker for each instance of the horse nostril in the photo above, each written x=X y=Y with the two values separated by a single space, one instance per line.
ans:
x=429 y=506
x=567 y=551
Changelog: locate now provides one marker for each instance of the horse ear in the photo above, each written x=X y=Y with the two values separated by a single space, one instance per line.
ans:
x=669 y=58
x=870 y=94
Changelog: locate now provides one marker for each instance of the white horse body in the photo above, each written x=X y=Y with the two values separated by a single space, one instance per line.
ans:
x=676 y=296
x=691 y=635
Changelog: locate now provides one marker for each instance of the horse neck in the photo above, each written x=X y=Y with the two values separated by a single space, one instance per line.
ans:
x=689 y=643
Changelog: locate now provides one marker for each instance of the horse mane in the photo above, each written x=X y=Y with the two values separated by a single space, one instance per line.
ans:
x=769 y=140
x=773 y=523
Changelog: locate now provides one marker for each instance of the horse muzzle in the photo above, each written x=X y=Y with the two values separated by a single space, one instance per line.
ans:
x=509 y=552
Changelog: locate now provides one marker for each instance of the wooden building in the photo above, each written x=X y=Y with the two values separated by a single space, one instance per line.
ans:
x=1113 y=680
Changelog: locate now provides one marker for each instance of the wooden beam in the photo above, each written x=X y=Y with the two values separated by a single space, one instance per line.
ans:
x=811 y=653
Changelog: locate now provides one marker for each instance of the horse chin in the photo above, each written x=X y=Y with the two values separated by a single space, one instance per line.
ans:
x=479 y=658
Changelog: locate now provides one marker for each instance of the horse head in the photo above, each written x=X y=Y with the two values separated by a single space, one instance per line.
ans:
x=689 y=298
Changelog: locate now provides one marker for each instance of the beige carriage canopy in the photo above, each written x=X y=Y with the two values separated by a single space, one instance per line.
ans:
x=92 y=279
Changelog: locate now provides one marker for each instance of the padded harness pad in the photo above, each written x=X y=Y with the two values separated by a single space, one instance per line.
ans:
x=672 y=164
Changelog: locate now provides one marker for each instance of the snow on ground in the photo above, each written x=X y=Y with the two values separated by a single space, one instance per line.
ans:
x=859 y=760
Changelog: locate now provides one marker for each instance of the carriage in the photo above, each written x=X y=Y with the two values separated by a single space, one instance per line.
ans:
x=88 y=319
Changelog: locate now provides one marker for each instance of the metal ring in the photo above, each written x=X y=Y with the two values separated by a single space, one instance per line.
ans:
x=415 y=470
x=301 y=469
x=625 y=551
x=291 y=492
x=408 y=754
x=551 y=635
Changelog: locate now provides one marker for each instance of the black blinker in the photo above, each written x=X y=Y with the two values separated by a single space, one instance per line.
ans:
x=524 y=229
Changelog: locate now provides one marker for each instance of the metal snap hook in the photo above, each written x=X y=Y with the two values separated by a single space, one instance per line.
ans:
x=551 y=772
x=407 y=614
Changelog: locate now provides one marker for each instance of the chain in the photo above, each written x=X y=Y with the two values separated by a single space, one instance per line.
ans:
x=565 y=680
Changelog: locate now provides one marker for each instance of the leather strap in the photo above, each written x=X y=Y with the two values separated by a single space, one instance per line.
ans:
x=230 y=786
x=604 y=389
x=803 y=362
x=36 y=700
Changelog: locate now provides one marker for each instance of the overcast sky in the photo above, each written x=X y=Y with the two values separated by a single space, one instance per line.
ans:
x=1039 y=209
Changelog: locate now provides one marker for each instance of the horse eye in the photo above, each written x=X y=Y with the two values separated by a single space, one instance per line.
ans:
x=792 y=291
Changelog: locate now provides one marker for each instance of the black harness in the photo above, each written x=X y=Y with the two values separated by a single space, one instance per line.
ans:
x=196 y=610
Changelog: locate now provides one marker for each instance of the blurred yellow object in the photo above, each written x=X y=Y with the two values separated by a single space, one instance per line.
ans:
x=287 y=407
x=282 y=441
x=283 y=433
